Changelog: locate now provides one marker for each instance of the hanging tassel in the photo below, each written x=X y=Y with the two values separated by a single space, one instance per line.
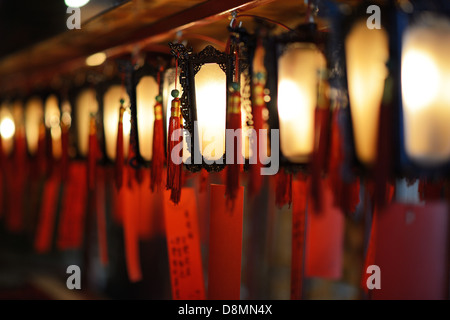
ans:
x=64 y=151
x=119 y=148
x=234 y=122
x=258 y=107
x=345 y=191
x=319 y=157
x=175 y=136
x=92 y=154
x=157 y=166
x=283 y=189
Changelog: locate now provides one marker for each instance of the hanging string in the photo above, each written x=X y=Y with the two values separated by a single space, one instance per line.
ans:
x=176 y=70
x=157 y=165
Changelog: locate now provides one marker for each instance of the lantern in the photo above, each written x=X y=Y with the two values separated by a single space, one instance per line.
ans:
x=297 y=59
x=146 y=91
x=7 y=128
x=52 y=122
x=367 y=51
x=34 y=118
x=111 y=104
x=298 y=68
x=425 y=83
x=204 y=78
x=85 y=105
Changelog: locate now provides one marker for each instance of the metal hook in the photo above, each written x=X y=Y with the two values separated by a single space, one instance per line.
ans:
x=233 y=19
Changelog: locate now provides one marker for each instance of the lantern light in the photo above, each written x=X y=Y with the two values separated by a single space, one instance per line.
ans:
x=86 y=104
x=146 y=91
x=298 y=69
x=111 y=105
x=34 y=117
x=7 y=128
x=210 y=90
x=425 y=82
x=366 y=52
x=52 y=122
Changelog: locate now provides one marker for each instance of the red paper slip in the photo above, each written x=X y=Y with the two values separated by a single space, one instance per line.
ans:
x=225 y=245
x=129 y=194
x=183 y=245
x=411 y=251
x=44 y=232
x=73 y=211
x=324 y=238
x=101 y=215
x=299 y=195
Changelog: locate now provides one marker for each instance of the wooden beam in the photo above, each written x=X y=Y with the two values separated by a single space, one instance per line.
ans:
x=147 y=35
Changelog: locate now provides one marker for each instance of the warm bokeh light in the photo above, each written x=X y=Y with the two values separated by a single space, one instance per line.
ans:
x=146 y=92
x=298 y=69
x=52 y=121
x=7 y=128
x=76 y=3
x=86 y=103
x=210 y=93
x=366 y=55
x=34 y=117
x=111 y=105
x=96 y=59
x=425 y=76
x=66 y=117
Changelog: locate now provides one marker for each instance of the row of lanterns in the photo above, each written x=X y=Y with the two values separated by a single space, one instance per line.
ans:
x=402 y=67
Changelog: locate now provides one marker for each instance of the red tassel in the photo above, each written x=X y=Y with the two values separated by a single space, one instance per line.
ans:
x=64 y=151
x=47 y=214
x=16 y=180
x=175 y=137
x=101 y=216
x=234 y=122
x=283 y=192
x=157 y=166
x=40 y=161
x=258 y=107
x=92 y=154
x=321 y=127
x=119 y=148
x=346 y=193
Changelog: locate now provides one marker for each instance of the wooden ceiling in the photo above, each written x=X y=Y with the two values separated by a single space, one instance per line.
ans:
x=138 y=25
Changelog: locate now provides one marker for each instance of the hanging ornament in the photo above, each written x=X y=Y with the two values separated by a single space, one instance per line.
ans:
x=258 y=107
x=234 y=123
x=92 y=153
x=119 y=147
x=157 y=165
x=175 y=137
x=283 y=188
x=321 y=129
